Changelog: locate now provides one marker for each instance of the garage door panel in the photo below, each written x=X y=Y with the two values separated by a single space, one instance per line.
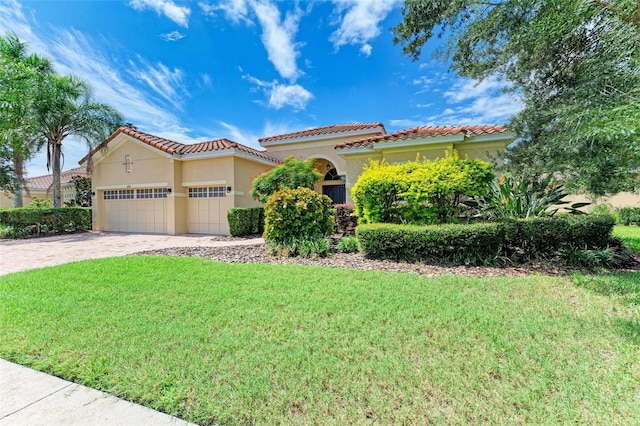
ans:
x=129 y=214
x=204 y=210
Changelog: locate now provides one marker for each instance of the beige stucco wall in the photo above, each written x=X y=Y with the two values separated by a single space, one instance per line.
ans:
x=149 y=165
x=622 y=199
x=244 y=172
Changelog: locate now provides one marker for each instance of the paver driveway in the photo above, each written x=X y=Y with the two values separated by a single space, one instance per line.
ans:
x=20 y=255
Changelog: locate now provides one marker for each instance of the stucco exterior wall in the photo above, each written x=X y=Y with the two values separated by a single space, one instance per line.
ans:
x=149 y=165
x=622 y=199
x=244 y=172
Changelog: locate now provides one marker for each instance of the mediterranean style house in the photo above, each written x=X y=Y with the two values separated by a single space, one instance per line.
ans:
x=146 y=183
x=42 y=187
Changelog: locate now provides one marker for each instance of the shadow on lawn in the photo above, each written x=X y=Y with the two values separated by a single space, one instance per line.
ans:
x=625 y=286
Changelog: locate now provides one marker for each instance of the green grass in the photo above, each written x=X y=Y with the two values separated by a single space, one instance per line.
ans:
x=262 y=344
x=630 y=235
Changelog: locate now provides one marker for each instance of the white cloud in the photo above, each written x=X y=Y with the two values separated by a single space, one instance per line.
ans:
x=366 y=49
x=292 y=95
x=278 y=34
x=178 y=14
x=281 y=95
x=74 y=53
x=483 y=102
x=235 y=134
x=162 y=80
x=235 y=10
x=278 y=37
x=360 y=23
x=172 y=36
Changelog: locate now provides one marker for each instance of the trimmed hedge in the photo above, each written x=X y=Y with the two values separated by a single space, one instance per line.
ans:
x=29 y=221
x=246 y=221
x=485 y=243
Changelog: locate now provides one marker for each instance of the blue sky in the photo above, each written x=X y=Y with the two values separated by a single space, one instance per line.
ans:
x=244 y=69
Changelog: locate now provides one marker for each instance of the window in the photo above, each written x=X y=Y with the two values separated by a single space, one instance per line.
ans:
x=159 y=192
x=333 y=175
x=217 y=191
x=208 y=192
x=144 y=193
x=197 y=192
x=110 y=195
x=125 y=194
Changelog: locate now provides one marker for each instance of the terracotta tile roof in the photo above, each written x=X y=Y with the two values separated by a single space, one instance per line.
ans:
x=425 y=131
x=46 y=181
x=177 y=148
x=326 y=130
x=222 y=144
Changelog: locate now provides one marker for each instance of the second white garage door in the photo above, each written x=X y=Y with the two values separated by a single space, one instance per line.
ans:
x=206 y=210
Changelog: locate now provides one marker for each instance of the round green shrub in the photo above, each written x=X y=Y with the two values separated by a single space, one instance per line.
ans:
x=295 y=214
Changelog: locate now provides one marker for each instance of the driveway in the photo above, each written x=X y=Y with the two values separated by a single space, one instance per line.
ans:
x=20 y=255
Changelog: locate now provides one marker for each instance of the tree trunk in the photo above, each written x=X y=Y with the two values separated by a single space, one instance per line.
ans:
x=56 y=173
x=17 y=196
x=18 y=164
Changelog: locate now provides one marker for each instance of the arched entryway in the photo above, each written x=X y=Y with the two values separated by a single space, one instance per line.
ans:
x=333 y=184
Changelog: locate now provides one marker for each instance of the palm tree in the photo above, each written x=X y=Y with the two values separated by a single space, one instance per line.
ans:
x=21 y=79
x=66 y=108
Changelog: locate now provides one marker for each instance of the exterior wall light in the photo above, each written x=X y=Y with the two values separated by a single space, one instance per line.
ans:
x=128 y=163
x=168 y=190
x=228 y=189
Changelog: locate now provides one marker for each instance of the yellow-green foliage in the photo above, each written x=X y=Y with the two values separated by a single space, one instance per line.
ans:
x=416 y=191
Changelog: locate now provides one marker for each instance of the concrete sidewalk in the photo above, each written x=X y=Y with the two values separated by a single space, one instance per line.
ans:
x=28 y=397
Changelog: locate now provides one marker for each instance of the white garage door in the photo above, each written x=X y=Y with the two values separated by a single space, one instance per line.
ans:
x=136 y=210
x=206 y=210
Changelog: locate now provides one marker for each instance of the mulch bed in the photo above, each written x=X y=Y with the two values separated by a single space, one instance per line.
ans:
x=258 y=254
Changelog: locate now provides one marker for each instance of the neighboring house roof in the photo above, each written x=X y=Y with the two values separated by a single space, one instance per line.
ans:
x=45 y=182
x=326 y=130
x=177 y=148
x=425 y=131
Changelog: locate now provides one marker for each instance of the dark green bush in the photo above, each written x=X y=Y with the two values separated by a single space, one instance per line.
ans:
x=291 y=174
x=540 y=237
x=245 y=221
x=629 y=216
x=239 y=221
x=297 y=214
x=478 y=243
x=514 y=241
x=257 y=218
x=34 y=221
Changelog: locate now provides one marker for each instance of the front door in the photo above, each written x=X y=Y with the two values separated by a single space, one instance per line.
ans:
x=336 y=192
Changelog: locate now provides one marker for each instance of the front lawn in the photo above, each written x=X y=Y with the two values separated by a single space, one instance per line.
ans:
x=240 y=344
x=630 y=235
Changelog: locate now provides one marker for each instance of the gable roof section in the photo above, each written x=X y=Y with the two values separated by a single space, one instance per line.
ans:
x=46 y=181
x=424 y=131
x=326 y=130
x=177 y=148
